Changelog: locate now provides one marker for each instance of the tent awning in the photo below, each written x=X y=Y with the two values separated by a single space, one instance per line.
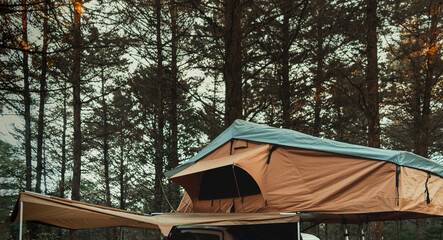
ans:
x=78 y=215
x=221 y=162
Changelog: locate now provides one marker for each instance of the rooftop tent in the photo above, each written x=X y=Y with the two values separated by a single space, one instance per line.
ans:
x=256 y=168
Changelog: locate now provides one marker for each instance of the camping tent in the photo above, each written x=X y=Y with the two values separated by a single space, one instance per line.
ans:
x=252 y=168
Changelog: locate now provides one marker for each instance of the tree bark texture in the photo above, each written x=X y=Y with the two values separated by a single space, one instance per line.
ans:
x=122 y=174
x=64 y=127
x=41 y=110
x=31 y=227
x=233 y=62
x=105 y=143
x=106 y=151
x=158 y=193
x=26 y=97
x=372 y=100
x=285 y=84
x=174 y=189
x=318 y=81
x=76 y=83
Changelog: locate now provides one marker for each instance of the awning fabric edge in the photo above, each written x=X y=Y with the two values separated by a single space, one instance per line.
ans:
x=50 y=208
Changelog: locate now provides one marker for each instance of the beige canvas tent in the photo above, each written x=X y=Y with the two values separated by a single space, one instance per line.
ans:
x=78 y=215
x=252 y=168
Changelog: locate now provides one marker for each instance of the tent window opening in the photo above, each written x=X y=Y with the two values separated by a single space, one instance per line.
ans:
x=220 y=183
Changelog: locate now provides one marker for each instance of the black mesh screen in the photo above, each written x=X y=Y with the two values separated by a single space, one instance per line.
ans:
x=220 y=183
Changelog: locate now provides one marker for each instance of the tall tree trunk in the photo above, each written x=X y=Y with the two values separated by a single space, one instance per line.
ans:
x=77 y=148
x=122 y=171
x=62 y=183
x=174 y=189
x=122 y=174
x=77 y=103
x=26 y=97
x=233 y=62
x=63 y=163
x=158 y=195
x=105 y=151
x=41 y=110
x=105 y=142
x=372 y=101
x=285 y=85
x=319 y=79
x=31 y=232
x=45 y=173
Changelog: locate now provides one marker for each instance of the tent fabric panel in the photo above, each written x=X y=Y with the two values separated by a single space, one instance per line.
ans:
x=283 y=175
x=342 y=186
x=256 y=166
x=185 y=205
x=191 y=184
x=75 y=215
x=167 y=221
x=413 y=195
x=69 y=218
x=239 y=144
x=221 y=158
x=234 y=146
x=247 y=204
x=326 y=182
x=212 y=206
x=256 y=204
x=262 y=133
x=222 y=151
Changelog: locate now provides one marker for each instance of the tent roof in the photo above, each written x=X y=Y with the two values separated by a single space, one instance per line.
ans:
x=244 y=130
x=78 y=215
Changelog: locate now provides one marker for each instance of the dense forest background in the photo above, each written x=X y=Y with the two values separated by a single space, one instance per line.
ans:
x=107 y=95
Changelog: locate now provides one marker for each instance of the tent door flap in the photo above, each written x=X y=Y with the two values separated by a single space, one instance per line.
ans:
x=227 y=182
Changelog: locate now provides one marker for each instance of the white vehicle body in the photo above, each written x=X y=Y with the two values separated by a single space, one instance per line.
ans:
x=214 y=233
x=307 y=236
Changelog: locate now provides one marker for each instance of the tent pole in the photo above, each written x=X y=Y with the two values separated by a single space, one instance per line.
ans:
x=346 y=231
x=21 y=221
x=298 y=230
x=362 y=231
